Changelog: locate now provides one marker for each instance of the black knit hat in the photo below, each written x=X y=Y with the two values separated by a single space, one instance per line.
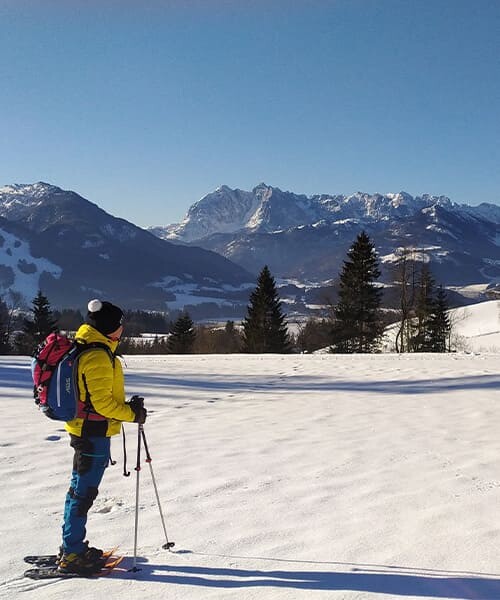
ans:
x=104 y=316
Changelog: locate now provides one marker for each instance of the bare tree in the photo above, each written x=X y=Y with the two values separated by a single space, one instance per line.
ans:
x=455 y=341
x=405 y=280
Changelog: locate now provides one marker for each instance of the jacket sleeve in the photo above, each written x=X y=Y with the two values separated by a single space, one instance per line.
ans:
x=105 y=387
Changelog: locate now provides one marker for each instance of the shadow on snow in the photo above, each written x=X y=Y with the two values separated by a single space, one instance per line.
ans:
x=16 y=376
x=20 y=376
x=274 y=383
x=386 y=580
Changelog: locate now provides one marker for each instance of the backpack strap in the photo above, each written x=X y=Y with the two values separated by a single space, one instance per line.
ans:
x=83 y=348
x=89 y=345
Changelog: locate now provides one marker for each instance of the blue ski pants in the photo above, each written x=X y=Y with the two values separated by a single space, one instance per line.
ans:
x=92 y=455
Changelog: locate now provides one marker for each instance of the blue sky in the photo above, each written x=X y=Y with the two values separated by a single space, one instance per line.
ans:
x=144 y=107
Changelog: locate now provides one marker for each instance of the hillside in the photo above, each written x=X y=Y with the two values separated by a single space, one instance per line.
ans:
x=58 y=241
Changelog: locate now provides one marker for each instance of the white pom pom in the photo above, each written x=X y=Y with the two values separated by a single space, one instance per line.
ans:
x=94 y=305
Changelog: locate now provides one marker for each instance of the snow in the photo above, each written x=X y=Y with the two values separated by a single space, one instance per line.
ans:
x=478 y=325
x=441 y=230
x=224 y=211
x=188 y=293
x=194 y=293
x=474 y=290
x=15 y=253
x=188 y=297
x=281 y=477
x=421 y=254
x=25 y=191
x=475 y=328
x=228 y=211
x=123 y=232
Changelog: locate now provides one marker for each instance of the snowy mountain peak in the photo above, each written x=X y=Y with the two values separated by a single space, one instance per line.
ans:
x=28 y=190
x=263 y=188
x=223 y=189
x=36 y=202
x=267 y=209
x=305 y=237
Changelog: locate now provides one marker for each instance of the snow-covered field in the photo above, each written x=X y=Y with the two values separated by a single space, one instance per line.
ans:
x=297 y=477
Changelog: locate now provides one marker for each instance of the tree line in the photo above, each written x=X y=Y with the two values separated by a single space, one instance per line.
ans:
x=355 y=323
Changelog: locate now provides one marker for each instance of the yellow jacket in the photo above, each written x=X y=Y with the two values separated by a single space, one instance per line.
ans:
x=101 y=386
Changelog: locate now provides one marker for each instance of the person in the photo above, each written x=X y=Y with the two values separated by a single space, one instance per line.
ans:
x=101 y=410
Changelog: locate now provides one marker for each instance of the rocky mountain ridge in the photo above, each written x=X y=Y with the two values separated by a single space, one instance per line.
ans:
x=306 y=237
x=58 y=241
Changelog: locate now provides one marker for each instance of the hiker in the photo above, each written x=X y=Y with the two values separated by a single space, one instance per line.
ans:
x=101 y=410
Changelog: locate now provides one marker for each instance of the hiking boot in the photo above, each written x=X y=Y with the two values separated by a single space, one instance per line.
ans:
x=86 y=563
x=93 y=552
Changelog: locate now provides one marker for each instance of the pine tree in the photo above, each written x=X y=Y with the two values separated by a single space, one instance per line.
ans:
x=357 y=326
x=35 y=330
x=264 y=328
x=182 y=336
x=440 y=324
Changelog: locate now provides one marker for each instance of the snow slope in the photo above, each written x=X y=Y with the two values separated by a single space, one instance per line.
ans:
x=478 y=325
x=475 y=328
x=21 y=270
x=281 y=477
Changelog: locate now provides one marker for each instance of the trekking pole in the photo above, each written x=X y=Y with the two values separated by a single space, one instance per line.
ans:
x=138 y=470
x=167 y=545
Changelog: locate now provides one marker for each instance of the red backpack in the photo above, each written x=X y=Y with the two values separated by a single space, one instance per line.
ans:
x=55 y=375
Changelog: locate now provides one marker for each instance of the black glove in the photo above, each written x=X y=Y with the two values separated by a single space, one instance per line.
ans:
x=136 y=403
x=140 y=414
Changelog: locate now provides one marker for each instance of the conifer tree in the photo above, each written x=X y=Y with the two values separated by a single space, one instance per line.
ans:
x=264 y=328
x=43 y=318
x=357 y=326
x=440 y=324
x=182 y=336
x=35 y=330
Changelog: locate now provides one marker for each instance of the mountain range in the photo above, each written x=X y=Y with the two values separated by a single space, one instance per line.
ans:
x=58 y=241
x=73 y=250
x=305 y=238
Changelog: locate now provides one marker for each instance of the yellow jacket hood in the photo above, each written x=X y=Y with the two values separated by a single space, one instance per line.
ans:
x=88 y=334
